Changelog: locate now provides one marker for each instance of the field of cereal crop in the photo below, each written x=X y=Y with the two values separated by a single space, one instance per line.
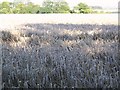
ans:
x=59 y=51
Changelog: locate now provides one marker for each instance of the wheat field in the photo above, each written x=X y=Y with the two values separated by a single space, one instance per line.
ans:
x=59 y=51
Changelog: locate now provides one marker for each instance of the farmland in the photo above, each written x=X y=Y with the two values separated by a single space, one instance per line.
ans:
x=59 y=51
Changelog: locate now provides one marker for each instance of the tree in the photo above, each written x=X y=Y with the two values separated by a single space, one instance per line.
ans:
x=5 y=7
x=19 y=9
x=55 y=6
x=61 y=7
x=47 y=7
x=22 y=8
x=31 y=8
x=82 y=8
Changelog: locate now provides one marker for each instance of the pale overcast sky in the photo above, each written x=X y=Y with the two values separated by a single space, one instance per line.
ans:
x=72 y=3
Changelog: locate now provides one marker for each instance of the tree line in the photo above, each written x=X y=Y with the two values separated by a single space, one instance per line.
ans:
x=48 y=6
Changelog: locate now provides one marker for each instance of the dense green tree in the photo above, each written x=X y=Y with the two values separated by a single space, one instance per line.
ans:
x=61 y=7
x=26 y=8
x=5 y=7
x=47 y=7
x=20 y=8
x=82 y=8
x=55 y=6
x=31 y=8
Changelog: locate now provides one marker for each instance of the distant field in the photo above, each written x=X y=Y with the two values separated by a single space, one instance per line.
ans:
x=59 y=51
x=11 y=20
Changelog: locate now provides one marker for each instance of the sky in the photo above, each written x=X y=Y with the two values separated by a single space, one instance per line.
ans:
x=72 y=3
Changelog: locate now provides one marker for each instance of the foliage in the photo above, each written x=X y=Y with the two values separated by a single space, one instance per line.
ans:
x=29 y=8
x=82 y=8
x=48 y=6
x=5 y=7
x=19 y=8
x=55 y=7
x=61 y=7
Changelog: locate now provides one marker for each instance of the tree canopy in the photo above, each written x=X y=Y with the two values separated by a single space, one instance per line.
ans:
x=82 y=8
x=48 y=6
x=5 y=7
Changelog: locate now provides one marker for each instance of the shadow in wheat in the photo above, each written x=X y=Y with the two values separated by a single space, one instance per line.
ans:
x=61 y=55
